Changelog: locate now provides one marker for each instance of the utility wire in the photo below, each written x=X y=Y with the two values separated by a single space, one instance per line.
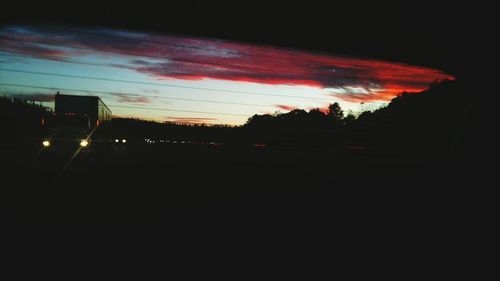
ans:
x=337 y=75
x=177 y=110
x=157 y=84
x=118 y=94
x=135 y=107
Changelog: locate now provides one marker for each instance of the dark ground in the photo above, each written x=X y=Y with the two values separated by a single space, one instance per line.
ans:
x=358 y=211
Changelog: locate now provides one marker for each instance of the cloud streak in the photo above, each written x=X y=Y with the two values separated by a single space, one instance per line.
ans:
x=134 y=99
x=187 y=58
x=285 y=107
x=188 y=120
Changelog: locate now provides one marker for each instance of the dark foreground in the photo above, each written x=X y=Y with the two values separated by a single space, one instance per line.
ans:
x=366 y=211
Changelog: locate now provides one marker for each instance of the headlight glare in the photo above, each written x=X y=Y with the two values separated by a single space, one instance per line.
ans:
x=84 y=143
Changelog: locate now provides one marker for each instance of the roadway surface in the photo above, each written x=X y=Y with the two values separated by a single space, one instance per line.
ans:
x=377 y=211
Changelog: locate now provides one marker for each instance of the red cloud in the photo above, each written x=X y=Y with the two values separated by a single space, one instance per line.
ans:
x=33 y=50
x=188 y=58
x=286 y=107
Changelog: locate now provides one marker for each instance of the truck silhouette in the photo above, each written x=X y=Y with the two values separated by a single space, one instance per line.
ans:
x=75 y=121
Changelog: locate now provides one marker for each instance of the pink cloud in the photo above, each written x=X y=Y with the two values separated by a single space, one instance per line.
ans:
x=187 y=58
x=286 y=107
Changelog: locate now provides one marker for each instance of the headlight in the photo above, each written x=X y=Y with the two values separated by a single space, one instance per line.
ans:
x=46 y=143
x=117 y=140
x=124 y=140
x=84 y=143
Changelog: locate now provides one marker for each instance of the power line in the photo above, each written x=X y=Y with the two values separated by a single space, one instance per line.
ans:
x=167 y=109
x=155 y=108
x=178 y=110
x=130 y=94
x=56 y=60
x=138 y=95
x=105 y=65
x=157 y=84
x=337 y=75
x=142 y=107
x=164 y=58
x=150 y=108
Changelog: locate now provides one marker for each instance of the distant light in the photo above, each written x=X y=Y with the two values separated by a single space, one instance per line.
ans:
x=117 y=140
x=84 y=143
x=46 y=143
x=124 y=140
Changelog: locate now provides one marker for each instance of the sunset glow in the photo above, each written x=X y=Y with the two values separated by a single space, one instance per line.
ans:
x=193 y=80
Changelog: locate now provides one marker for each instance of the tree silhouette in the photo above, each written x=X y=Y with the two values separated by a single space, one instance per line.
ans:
x=335 y=113
x=316 y=114
x=349 y=119
x=21 y=120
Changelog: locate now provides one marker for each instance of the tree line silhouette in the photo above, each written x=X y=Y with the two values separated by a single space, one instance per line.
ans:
x=430 y=122
x=21 y=120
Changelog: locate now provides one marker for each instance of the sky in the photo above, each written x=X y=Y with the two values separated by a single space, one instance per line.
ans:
x=182 y=79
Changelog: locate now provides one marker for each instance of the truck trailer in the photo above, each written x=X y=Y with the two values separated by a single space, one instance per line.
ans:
x=75 y=121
